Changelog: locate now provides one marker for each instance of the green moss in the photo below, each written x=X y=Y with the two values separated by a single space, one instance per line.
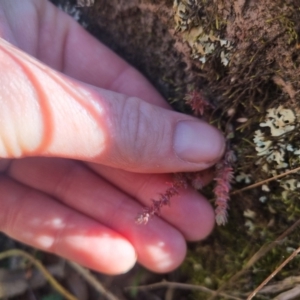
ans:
x=263 y=46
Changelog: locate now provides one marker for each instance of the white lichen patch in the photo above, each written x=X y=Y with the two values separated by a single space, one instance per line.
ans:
x=265 y=188
x=203 y=44
x=290 y=184
x=280 y=120
x=279 y=150
x=248 y=213
x=263 y=199
x=181 y=16
x=265 y=168
x=243 y=177
x=290 y=249
x=263 y=148
x=276 y=155
x=184 y=14
x=297 y=152
x=250 y=225
x=282 y=165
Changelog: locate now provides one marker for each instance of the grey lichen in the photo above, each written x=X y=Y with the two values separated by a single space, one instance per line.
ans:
x=204 y=44
x=276 y=147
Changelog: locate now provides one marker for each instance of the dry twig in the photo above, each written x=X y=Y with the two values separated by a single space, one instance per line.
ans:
x=92 y=280
x=290 y=294
x=252 y=186
x=275 y=272
x=279 y=286
x=16 y=282
x=259 y=254
x=184 y=286
x=55 y=284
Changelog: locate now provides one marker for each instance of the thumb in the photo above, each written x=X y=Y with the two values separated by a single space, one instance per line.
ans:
x=44 y=113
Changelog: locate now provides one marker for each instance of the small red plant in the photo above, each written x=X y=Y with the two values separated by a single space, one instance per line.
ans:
x=180 y=180
x=164 y=199
x=223 y=178
x=198 y=103
x=223 y=174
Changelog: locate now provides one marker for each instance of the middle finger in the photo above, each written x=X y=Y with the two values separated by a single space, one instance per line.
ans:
x=159 y=246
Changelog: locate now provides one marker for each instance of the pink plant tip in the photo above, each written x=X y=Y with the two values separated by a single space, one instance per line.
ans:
x=197 y=102
x=224 y=177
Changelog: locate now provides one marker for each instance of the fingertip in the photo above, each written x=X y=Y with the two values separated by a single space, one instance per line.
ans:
x=161 y=247
x=97 y=247
x=166 y=254
x=37 y=219
x=198 y=142
x=125 y=256
x=105 y=254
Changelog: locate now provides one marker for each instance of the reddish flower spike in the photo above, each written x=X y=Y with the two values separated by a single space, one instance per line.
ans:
x=164 y=199
x=224 y=176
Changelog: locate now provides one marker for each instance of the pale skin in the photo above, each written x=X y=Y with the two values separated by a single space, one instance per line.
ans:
x=86 y=142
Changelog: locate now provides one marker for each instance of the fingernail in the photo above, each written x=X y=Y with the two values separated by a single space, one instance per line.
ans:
x=198 y=142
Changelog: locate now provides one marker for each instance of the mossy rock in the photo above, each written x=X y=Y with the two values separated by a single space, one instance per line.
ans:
x=243 y=58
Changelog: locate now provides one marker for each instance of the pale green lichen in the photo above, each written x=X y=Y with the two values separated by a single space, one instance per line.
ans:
x=277 y=149
x=243 y=177
x=280 y=120
x=273 y=146
x=204 y=44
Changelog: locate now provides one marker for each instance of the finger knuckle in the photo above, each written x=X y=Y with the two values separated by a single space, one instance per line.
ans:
x=140 y=131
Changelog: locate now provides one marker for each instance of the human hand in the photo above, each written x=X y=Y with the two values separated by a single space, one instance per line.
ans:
x=83 y=137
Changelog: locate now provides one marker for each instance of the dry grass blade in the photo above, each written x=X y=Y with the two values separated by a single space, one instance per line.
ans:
x=259 y=254
x=291 y=294
x=295 y=253
x=92 y=280
x=279 y=286
x=184 y=286
x=252 y=186
x=55 y=284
